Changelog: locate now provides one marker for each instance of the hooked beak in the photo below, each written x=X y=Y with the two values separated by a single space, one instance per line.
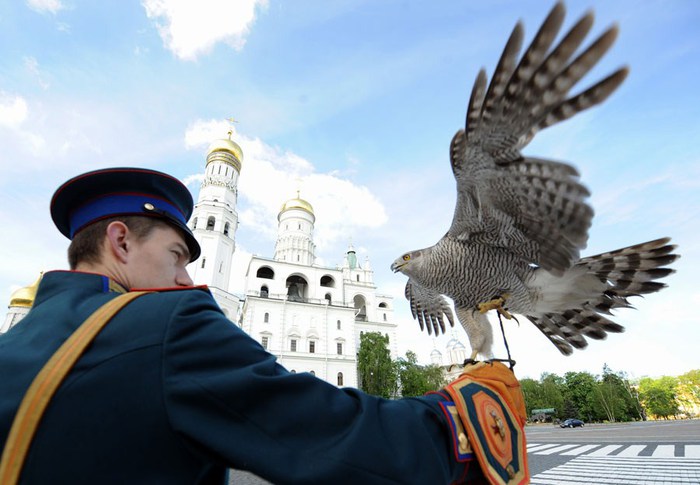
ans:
x=396 y=266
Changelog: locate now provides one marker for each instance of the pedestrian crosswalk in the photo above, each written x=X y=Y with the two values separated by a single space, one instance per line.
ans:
x=619 y=464
x=629 y=450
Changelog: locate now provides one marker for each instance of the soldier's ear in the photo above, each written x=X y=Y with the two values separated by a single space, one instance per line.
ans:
x=117 y=240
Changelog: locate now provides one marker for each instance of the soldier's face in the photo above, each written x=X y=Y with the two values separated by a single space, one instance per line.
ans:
x=159 y=260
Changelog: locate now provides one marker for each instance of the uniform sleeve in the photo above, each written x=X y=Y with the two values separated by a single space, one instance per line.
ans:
x=232 y=403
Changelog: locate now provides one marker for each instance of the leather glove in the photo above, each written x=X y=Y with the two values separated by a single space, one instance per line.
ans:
x=490 y=405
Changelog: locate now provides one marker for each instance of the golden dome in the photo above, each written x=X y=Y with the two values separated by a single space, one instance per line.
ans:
x=226 y=145
x=297 y=203
x=24 y=297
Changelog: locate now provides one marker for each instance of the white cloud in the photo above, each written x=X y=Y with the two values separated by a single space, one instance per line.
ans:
x=13 y=110
x=41 y=6
x=201 y=133
x=191 y=28
x=193 y=179
x=32 y=65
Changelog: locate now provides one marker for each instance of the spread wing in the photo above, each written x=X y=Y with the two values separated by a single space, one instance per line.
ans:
x=532 y=206
x=428 y=307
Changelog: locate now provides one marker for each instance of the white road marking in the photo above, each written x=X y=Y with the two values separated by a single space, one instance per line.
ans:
x=605 y=450
x=664 y=451
x=551 y=451
x=533 y=447
x=631 y=450
x=579 y=450
x=609 y=470
x=692 y=451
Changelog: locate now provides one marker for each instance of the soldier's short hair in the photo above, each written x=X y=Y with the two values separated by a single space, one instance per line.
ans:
x=86 y=245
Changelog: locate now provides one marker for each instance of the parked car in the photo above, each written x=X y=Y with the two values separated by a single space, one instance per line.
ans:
x=571 y=423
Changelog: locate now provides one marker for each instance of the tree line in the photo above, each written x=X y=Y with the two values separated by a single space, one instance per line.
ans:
x=381 y=376
x=610 y=396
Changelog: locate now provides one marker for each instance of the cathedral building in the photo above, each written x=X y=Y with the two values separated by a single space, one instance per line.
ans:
x=309 y=316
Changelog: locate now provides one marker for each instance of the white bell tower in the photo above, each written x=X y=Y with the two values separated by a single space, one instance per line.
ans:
x=214 y=219
x=295 y=232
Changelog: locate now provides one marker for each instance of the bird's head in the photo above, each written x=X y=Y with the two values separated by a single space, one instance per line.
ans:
x=407 y=263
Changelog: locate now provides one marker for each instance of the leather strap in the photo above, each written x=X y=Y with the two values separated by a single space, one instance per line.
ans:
x=44 y=386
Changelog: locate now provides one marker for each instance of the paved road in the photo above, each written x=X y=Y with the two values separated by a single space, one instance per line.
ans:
x=665 y=452
x=658 y=452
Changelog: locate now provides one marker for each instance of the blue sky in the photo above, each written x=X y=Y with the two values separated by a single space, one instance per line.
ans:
x=354 y=103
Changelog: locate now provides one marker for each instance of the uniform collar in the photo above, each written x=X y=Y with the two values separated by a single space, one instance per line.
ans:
x=55 y=282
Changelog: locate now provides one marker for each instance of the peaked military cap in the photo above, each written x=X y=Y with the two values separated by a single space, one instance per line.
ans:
x=98 y=195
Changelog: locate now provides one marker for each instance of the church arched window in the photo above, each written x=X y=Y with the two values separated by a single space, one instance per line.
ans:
x=210 y=223
x=204 y=261
x=226 y=228
x=194 y=223
x=340 y=378
x=264 y=292
x=265 y=272
x=328 y=298
x=266 y=319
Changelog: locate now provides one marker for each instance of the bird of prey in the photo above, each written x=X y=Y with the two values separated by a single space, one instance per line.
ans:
x=520 y=222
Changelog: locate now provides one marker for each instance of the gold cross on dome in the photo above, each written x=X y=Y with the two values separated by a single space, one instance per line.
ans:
x=231 y=120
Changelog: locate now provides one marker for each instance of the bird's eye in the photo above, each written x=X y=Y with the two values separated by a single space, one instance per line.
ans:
x=406 y=257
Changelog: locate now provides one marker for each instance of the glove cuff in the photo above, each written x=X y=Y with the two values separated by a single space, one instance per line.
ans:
x=486 y=403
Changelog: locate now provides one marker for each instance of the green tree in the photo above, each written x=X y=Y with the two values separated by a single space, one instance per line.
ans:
x=553 y=392
x=689 y=392
x=532 y=394
x=613 y=396
x=579 y=397
x=659 y=396
x=633 y=392
x=543 y=394
x=417 y=379
x=376 y=371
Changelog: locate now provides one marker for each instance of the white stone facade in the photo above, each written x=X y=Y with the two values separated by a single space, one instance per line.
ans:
x=14 y=315
x=311 y=317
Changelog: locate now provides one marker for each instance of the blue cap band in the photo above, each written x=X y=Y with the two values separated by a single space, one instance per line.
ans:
x=118 y=204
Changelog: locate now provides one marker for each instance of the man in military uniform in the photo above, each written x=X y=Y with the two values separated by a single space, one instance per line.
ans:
x=171 y=392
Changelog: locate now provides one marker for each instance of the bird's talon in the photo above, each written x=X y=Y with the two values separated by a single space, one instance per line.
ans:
x=495 y=304
x=504 y=313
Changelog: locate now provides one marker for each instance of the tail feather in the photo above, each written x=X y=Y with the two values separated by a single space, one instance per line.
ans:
x=626 y=272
